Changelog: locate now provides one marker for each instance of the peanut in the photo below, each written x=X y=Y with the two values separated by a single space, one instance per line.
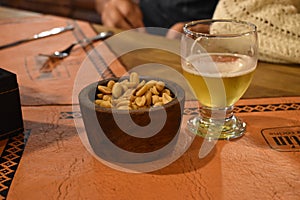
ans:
x=104 y=89
x=160 y=86
x=141 y=91
x=133 y=94
x=134 y=78
x=154 y=91
x=110 y=84
x=166 y=98
x=117 y=90
x=106 y=97
x=140 y=101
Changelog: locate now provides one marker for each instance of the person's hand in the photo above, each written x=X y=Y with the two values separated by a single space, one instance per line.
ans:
x=123 y=14
x=175 y=31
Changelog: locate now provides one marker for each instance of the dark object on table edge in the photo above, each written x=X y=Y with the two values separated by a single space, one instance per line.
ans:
x=11 y=122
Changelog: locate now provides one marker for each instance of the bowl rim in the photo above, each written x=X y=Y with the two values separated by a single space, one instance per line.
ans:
x=91 y=89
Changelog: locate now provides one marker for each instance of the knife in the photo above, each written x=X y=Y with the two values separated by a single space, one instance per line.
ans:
x=40 y=35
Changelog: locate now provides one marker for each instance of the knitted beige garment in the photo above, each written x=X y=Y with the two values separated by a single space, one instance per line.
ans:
x=278 y=25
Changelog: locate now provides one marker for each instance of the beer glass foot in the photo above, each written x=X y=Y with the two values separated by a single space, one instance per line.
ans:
x=212 y=129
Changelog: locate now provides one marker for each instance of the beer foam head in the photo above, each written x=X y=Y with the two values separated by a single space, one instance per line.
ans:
x=219 y=65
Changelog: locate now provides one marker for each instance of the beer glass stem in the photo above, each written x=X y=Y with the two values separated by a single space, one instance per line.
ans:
x=216 y=114
x=217 y=123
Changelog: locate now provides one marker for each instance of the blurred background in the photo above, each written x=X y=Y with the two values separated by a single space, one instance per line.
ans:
x=76 y=9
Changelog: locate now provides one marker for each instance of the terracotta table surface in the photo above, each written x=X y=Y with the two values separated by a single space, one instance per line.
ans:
x=51 y=159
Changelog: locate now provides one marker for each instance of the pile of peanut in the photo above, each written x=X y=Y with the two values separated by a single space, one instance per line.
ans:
x=133 y=94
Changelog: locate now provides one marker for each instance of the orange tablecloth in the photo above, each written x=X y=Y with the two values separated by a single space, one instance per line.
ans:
x=56 y=165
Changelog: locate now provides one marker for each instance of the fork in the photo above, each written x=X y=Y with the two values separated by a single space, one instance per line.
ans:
x=66 y=52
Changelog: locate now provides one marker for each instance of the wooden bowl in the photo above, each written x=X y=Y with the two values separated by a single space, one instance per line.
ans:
x=112 y=143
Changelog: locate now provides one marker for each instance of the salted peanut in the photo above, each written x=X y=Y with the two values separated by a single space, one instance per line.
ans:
x=155 y=99
x=150 y=83
x=160 y=99
x=124 y=108
x=123 y=103
x=103 y=103
x=166 y=98
x=117 y=90
x=106 y=104
x=132 y=98
x=158 y=104
x=100 y=95
x=140 y=101
x=140 y=85
x=143 y=107
x=104 y=89
x=133 y=93
x=141 y=91
x=98 y=101
x=154 y=90
x=167 y=91
x=127 y=93
x=115 y=102
x=110 y=84
x=148 y=96
x=134 y=78
x=134 y=106
x=124 y=86
x=118 y=100
x=131 y=84
x=160 y=85
x=106 y=97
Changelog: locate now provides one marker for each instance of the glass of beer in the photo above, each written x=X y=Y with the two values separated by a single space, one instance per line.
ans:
x=219 y=58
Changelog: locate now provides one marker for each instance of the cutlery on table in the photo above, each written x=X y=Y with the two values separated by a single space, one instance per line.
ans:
x=66 y=52
x=40 y=35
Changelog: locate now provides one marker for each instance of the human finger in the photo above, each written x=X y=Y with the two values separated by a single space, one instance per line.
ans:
x=175 y=31
x=131 y=12
x=112 y=17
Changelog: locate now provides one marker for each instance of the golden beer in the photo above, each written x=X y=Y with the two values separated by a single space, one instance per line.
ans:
x=219 y=80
